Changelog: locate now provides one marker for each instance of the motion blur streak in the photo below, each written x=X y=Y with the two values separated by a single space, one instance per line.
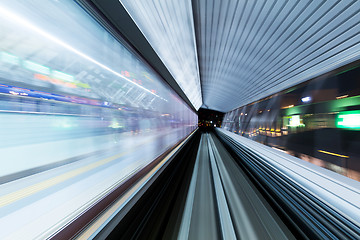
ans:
x=172 y=36
x=25 y=23
x=208 y=214
x=317 y=121
x=80 y=114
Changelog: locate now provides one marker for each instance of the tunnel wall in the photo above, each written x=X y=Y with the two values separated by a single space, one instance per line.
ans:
x=68 y=89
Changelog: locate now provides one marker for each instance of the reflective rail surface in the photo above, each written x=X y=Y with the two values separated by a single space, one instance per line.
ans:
x=222 y=203
x=319 y=203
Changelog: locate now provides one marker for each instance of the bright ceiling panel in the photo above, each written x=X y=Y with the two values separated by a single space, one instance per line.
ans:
x=252 y=49
x=169 y=28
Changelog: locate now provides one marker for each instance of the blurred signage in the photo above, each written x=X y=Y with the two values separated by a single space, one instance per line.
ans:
x=348 y=119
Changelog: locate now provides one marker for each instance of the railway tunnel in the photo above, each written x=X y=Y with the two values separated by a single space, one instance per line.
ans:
x=194 y=119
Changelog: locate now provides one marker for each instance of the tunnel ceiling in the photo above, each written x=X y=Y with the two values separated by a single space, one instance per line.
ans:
x=247 y=50
x=251 y=49
x=169 y=28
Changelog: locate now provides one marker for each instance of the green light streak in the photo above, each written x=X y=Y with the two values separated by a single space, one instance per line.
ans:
x=81 y=84
x=62 y=76
x=36 y=67
x=9 y=58
x=348 y=119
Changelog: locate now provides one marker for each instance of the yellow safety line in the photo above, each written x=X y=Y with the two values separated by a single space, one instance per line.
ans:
x=334 y=154
x=25 y=192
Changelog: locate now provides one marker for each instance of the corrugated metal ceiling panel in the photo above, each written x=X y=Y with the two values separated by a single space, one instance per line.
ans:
x=251 y=49
x=169 y=28
x=248 y=49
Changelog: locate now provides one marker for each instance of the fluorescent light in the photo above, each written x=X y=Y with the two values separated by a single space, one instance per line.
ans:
x=306 y=99
x=36 y=67
x=9 y=58
x=348 y=119
x=341 y=97
x=62 y=76
x=294 y=121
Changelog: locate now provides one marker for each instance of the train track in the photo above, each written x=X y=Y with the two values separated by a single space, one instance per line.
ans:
x=217 y=188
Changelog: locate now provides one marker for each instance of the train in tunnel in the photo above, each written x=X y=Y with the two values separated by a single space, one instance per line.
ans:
x=110 y=119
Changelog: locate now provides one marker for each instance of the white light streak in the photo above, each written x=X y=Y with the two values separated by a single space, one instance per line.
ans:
x=306 y=99
x=9 y=15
